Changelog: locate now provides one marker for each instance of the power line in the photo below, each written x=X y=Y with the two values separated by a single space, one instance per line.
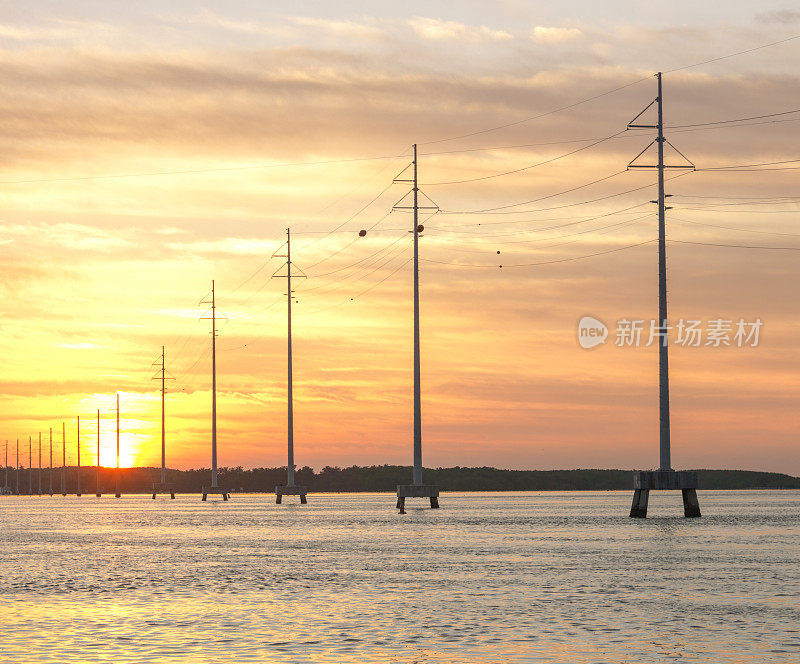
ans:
x=498 y=210
x=526 y=168
x=573 y=222
x=550 y=262
x=718 y=122
x=540 y=115
x=733 y=55
x=736 y=246
x=763 y=163
x=734 y=228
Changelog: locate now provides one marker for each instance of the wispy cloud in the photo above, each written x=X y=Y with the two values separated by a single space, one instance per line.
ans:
x=780 y=16
x=547 y=35
x=439 y=30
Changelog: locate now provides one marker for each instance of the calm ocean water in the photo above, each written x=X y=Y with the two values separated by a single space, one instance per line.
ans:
x=517 y=577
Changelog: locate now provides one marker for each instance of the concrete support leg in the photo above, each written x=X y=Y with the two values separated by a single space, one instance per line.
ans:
x=398 y=503
x=691 y=506
x=434 y=502
x=303 y=500
x=639 y=505
x=205 y=495
x=401 y=505
x=278 y=498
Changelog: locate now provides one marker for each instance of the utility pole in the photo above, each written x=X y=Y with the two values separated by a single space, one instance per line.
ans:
x=117 y=494
x=290 y=489
x=665 y=477
x=40 y=463
x=78 y=445
x=63 y=459
x=17 y=473
x=163 y=486
x=51 y=461
x=416 y=489
x=214 y=488
x=6 y=482
x=30 y=466
x=97 y=472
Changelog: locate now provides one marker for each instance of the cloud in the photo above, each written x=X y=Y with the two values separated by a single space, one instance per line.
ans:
x=555 y=35
x=350 y=29
x=438 y=30
x=781 y=16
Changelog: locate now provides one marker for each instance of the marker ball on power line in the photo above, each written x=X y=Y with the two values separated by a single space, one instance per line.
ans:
x=420 y=228
x=362 y=233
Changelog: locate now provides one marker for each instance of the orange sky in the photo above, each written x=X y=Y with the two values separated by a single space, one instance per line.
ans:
x=207 y=117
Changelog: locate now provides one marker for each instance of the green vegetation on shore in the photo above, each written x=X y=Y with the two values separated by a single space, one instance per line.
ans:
x=385 y=478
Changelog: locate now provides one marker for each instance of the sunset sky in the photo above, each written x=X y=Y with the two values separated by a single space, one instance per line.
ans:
x=148 y=148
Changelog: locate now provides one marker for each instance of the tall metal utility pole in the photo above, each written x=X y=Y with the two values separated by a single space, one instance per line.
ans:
x=40 y=463
x=664 y=477
x=290 y=489
x=30 y=466
x=417 y=488
x=17 y=473
x=163 y=486
x=51 y=461
x=214 y=488
x=63 y=459
x=97 y=471
x=6 y=482
x=117 y=494
x=78 y=470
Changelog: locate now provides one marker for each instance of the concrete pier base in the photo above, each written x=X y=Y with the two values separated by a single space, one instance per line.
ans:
x=158 y=487
x=664 y=480
x=281 y=491
x=691 y=506
x=404 y=491
x=215 y=490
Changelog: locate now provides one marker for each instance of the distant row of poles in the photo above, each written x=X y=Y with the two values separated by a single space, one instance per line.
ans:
x=7 y=490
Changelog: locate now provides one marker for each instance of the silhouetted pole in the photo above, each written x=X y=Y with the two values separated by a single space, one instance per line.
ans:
x=6 y=484
x=663 y=360
x=63 y=459
x=17 y=473
x=30 y=466
x=417 y=395
x=51 y=461
x=664 y=478
x=214 y=488
x=213 y=387
x=97 y=472
x=40 y=463
x=78 y=445
x=117 y=494
x=290 y=409
x=163 y=418
x=416 y=489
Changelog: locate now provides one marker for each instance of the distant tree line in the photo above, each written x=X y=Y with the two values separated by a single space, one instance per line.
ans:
x=381 y=478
